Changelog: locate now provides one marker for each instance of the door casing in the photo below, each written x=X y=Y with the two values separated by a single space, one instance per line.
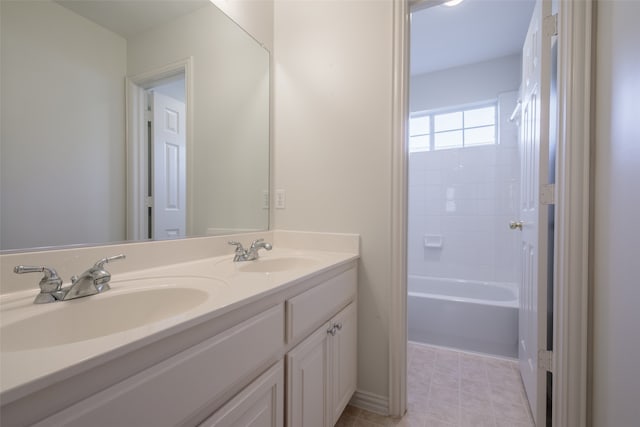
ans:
x=572 y=195
x=137 y=155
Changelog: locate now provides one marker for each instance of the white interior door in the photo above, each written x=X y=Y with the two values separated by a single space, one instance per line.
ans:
x=169 y=167
x=534 y=152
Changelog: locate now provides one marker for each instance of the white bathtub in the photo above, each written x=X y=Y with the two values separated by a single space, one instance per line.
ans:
x=464 y=314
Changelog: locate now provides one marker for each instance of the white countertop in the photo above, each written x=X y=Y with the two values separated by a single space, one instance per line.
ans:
x=227 y=287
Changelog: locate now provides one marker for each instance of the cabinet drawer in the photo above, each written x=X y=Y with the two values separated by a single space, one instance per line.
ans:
x=170 y=392
x=307 y=311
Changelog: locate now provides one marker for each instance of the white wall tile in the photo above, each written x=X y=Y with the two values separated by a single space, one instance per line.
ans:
x=468 y=196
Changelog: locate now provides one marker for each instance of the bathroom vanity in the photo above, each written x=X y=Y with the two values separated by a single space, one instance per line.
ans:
x=203 y=342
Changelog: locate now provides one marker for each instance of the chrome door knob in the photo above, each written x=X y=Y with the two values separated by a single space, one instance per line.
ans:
x=515 y=225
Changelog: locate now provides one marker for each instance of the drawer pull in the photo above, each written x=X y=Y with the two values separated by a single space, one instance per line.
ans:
x=334 y=329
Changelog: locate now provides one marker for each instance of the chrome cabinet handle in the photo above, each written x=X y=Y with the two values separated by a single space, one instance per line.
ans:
x=516 y=225
x=333 y=330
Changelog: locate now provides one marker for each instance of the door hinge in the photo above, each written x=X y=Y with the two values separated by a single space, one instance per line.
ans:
x=545 y=360
x=148 y=115
x=550 y=25
x=548 y=194
x=148 y=202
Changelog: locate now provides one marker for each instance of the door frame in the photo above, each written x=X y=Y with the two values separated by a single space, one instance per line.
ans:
x=572 y=190
x=136 y=147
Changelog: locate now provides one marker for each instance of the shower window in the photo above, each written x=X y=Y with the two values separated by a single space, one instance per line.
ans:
x=462 y=127
x=420 y=133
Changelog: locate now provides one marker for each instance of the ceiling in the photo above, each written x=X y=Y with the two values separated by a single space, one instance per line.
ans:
x=129 y=18
x=441 y=37
x=475 y=30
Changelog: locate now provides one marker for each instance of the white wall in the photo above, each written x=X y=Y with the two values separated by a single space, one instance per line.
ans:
x=616 y=235
x=230 y=154
x=467 y=196
x=332 y=145
x=472 y=83
x=49 y=139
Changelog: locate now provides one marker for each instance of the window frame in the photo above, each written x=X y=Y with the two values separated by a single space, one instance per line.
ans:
x=456 y=109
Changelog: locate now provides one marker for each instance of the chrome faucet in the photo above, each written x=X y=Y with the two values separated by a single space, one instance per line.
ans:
x=250 y=254
x=93 y=281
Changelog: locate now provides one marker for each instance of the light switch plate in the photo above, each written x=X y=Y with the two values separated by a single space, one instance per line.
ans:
x=280 y=199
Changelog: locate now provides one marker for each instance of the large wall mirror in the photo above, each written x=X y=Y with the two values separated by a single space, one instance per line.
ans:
x=129 y=120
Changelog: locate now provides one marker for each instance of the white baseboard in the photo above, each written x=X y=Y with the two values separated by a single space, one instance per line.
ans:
x=370 y=402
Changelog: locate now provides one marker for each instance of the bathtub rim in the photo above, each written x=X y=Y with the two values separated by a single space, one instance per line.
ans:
x=509 y=286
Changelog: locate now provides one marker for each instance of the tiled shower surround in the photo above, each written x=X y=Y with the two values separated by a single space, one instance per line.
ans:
x=466 y=196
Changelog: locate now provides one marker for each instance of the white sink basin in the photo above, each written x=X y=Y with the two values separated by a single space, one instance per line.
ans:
x=66 y=322
x=271 y=265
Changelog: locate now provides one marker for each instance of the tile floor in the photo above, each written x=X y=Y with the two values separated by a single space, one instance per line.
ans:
x=451 y=388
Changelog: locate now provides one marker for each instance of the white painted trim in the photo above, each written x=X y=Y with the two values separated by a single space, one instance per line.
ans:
x=399 y=159
x=136 y=146
x=572 y=217
x=136 y=165
x=370 y=402
x=572 y=214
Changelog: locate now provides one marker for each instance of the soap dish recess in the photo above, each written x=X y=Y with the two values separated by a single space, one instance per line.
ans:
x=433 y=241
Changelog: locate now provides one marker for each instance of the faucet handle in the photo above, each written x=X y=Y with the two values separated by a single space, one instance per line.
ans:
x=101 y=277
x=97 y=275
x=49 y=283
x=97 y=267
x=238 y=245
x=104 y=261
x=255 y=242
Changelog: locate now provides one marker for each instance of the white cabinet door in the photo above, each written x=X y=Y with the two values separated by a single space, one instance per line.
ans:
x=322 y=372
x=343 y=347
x=260 y=404
x=308 y=382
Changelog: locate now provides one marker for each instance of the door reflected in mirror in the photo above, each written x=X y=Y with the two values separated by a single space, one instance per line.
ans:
x=91 y=120
x=167 y=153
